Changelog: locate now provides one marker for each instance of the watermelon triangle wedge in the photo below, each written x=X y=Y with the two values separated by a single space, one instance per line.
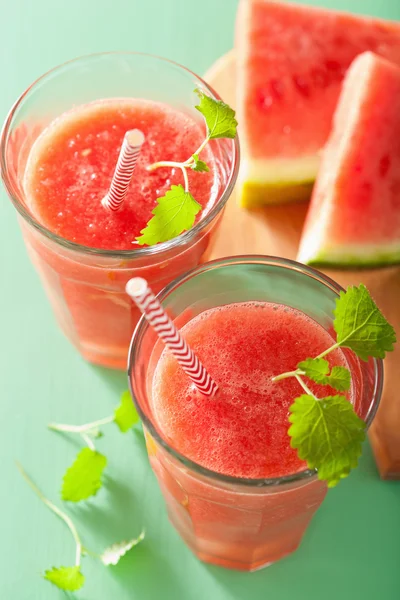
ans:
x=291 y=63
x=354 y=215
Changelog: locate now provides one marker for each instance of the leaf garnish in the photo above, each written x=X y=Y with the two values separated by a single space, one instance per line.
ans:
x=199 y=165
x=83 y=478
x=327 y=434
x=112 y=554
x=361 y=326
x=175 y=212
x=339 y=379
x=219 y=117
x=69 y=579
x=66 y=578
x=170 y=221
x=317 y=369
x=126 y=415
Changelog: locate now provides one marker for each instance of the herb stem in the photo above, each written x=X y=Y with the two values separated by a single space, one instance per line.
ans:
x=185 y=178
x=298 y=372
x=57 y=511
x=305 y=387
x=287 y=375
x=88 y=441
x=325 y=352
x=202 y=146
x=78 y=555
x=165 y=163
x=180 y=165
x=80 y=428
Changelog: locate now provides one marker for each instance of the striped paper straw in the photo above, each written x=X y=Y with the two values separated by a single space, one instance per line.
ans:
x=146 y=301
x=127 y=160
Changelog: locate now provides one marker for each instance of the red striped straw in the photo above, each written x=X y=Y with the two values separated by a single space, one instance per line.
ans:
x=146 y=301
x=127 y=160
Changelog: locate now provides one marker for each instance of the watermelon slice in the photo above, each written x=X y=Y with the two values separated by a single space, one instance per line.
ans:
x=291 y=63
x=354 y=215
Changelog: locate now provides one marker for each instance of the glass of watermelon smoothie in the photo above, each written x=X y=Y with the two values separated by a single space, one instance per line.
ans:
x=235 y=490
x=59 y=149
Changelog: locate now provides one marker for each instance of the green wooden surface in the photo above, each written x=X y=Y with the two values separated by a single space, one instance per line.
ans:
x=352 y=549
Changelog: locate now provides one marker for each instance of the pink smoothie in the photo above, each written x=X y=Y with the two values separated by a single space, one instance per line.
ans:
x=71 y=164
x=242 y=430
x=68 y=172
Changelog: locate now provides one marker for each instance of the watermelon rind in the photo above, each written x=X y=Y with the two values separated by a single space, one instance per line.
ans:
x=275 y=181
x=253 y=194
x=264 y=176
x=324 y=241
x=352 y=257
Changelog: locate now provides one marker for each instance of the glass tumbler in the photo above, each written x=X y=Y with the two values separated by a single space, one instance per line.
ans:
x=86 y=286
x=239 y=523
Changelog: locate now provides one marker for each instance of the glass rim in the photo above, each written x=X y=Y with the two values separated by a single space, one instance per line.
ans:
x=180 y=241
x=143 y=326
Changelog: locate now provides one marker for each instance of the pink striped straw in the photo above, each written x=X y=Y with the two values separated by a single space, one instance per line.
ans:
x=127 y=160
x=146 y=301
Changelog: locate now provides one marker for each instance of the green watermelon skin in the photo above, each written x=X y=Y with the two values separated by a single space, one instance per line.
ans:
x=291 y=63
x=354 y=214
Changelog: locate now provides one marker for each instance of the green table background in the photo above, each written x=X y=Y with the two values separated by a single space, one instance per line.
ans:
x=352 y=548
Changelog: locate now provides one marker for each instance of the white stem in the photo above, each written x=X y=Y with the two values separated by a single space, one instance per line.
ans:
x=202 y=146
x=78 y=555
x=299 y=371
x=180 y=165
x=80 y=428
x=305 y=387
x=185 y=178
x=57 y=512
x=165 y=163
x=88 y=441
x=287 y=375
x=325 y=352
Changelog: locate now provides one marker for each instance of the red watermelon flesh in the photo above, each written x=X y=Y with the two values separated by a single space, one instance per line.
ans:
x=354 y=215
x=291 y=63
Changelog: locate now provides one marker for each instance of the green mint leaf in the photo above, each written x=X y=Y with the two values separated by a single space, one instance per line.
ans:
x=199 y=165
x=361 y=326
x=112 y=554
x=174 y=213
x=327 y=434
x=125 y=414
x=83 y=478
x=219 y=117
x=317 y=369
x=340 y=379
x=69 y=579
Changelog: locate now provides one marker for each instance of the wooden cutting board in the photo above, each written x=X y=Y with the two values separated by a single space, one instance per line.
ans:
x=276 y=230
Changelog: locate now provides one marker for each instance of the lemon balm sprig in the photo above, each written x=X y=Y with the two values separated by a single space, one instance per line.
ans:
x=71 y=578
x=176 y=211
x=57 y=511
x=125 y=416
x=220 y=122
x=83 y=478
x=193 y=163
x=326 y=431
